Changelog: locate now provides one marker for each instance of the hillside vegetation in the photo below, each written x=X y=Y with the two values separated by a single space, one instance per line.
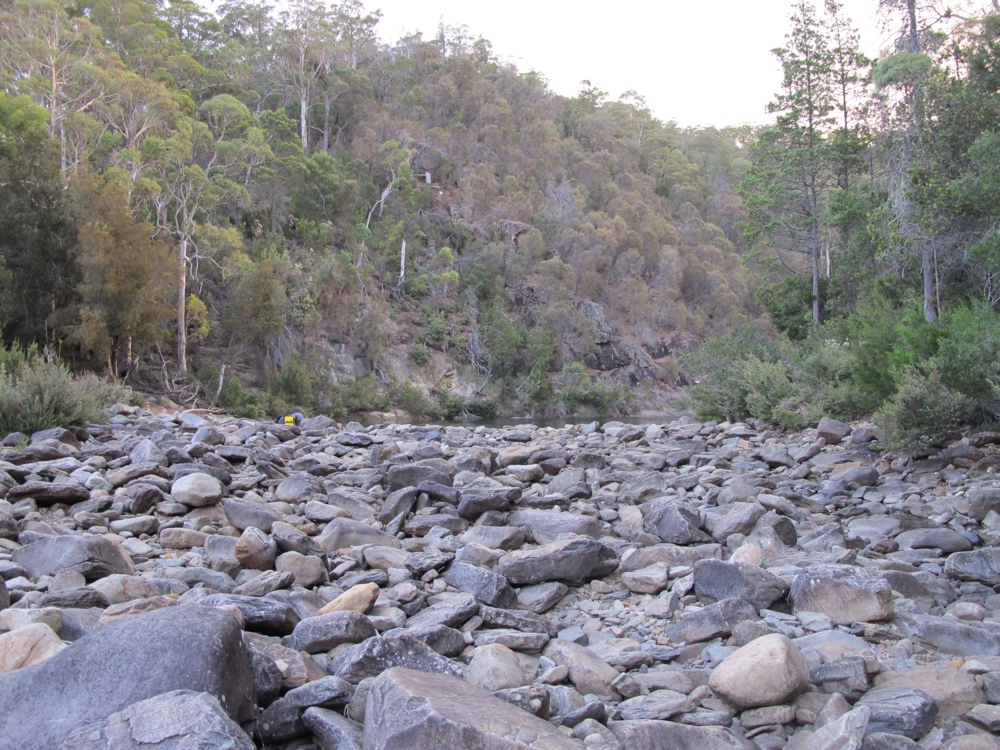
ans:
x=271 y=208
x=267 y=208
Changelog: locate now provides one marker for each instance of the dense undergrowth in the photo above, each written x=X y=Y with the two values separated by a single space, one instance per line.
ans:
x=919 y=380
x=38 y=391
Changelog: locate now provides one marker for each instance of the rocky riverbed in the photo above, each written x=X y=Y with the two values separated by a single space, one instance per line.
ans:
x=194 y=581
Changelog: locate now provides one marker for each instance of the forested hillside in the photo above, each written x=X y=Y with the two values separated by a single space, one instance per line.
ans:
x=266 y=208
x=872 y=204
x=272 y=208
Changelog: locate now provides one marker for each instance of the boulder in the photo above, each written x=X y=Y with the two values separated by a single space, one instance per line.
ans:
x=766 y=672
x=186 y=648
x=181 y=718
x=408 y=710
x=92 y=556
x=573 y=560
x=197 y=490
x=844 y=593
x=715 y=580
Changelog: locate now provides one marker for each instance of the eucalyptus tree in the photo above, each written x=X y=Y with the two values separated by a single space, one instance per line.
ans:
x=200 y=169
x=787 y=186
x=58 y=61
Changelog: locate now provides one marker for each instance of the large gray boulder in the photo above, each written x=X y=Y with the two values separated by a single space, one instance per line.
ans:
x=573 y=560
x=92 y=556
x=177 y=648
x=640 y=735
x=179 y=719
x=409 y=710
x=715 y=580
x=844 y=593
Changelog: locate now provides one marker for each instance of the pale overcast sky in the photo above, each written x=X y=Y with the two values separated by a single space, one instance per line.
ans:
x=699 y=63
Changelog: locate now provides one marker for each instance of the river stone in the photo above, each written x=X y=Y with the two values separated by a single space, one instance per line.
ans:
x=408 y=710
x=832 y=430
x=981 y=565
x=92 y=556
x=197 y=490
x=955 y=691
x=45 y=493
x=572 y=560
x=715 y=580
x=453 y=610
x=946 y=540
x=260 y=615
x=324 y=632
x=282 y=720
x=844 y=593
x=588 y=672
x=647 y=735
x=308 y=571
x=900 y=710
x=478 y=500
x=715 y=620
x=375 y=655
x=766 y=672
x=488 y=587
x=186 y=648
x=675 y=523
x=243 y=515
x=333 y=731
x=298 y=488
x=27 y=646
x=546 y=526
x=982 y=501
x=344 y=532
x=411 y=475
x=446 y=641
x=359 y=598
x=118 y=588
x=494 y=537
x=844 y=733
x=180 y=718
x=255 y=549
x=495 y=667
x=541 y=597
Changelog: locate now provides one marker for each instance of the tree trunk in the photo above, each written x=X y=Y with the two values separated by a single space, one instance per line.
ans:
x=304 y=120
x=181 y=305
x=815 y=273
x=927 y=268
x=402 y=263
x=218 y=386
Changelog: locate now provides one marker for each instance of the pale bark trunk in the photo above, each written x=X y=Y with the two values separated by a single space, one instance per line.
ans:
x=181 y=307
x=304 y=121
x=927 y=267
x=402 y=263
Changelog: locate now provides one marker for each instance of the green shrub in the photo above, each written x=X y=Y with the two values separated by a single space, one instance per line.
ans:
x=968 y=356
x=720 y=390
x=357 y=395
x=420 y=354
x=293 y=383
x=924 y=409
x=766 y=385
x=484 y=408
x=38 y=392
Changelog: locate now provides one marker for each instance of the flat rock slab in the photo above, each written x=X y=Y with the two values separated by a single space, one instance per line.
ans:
x=844 y=593
x=92 y=556
x=640 y=735
x=178 y=648
x=409 y=710
x=573 y=560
